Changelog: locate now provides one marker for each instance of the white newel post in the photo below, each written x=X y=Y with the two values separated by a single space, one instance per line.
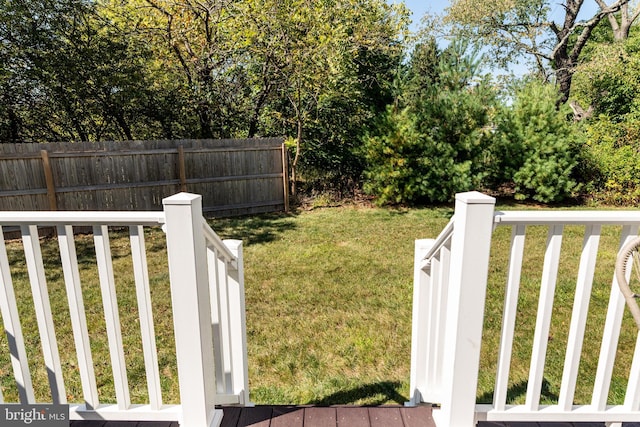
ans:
x=419 y=324
x=237 y=317
x=470 y=246
x=191 y=310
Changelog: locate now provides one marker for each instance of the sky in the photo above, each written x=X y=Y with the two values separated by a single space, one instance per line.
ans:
x=419 y=7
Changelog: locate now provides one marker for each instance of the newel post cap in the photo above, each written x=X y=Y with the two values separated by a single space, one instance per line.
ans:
x=181 y=199
x=476 y=198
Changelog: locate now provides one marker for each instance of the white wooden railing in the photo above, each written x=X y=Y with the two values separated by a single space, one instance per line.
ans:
x=207 y=298
x=450 y=284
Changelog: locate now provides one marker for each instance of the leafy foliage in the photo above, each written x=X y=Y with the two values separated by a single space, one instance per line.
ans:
x=551 y=36
x=607 y=81
x=330 y=77
x=318 y=72
x=429 y=146
x=613 y=148
x=66 y=75
x=535 y=146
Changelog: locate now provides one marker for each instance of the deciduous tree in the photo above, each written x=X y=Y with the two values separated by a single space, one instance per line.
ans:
x=516 y=28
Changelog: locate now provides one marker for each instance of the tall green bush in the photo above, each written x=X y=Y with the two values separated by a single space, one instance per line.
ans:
x=535 y=146
x=429 y=145
x=607 y=81
x=614 y=148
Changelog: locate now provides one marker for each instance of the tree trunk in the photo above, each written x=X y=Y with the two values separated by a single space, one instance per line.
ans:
x=255 y=116
x=621 y=29
x=82 y=134
x=124 y=126
x=14 y=126
x=262 y=98
x=564 y=75
x=567 y=51
x=205 y=122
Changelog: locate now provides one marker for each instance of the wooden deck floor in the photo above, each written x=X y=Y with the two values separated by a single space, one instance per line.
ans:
x=322 y=416
x=302 y=416
x=316 y=416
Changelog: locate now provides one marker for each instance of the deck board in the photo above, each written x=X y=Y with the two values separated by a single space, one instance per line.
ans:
x=327 y=416
x=257 y=416
x=231 y=416
x=385 y=417
x=289 y=416
x=316 y=416
x=352 y=417
x=419 y=416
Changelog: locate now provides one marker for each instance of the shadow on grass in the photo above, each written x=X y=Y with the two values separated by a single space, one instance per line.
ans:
x=253 y=229
x=435 y=211
x=373 y=394
x=520 y=389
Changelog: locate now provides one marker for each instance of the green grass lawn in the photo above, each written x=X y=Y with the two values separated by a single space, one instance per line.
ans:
x=328 y=296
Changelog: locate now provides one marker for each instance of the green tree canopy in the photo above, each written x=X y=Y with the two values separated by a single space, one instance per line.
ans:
x=429 y=144
x=295 y=68
x=535 y=146
x=513 y=29
x=317 y=72
x=67 y=74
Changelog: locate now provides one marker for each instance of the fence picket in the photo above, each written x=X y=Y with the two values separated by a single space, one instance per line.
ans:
x=432 y=321
x=237 y=324
x=35 y=266
x=509 y=318
x=543 y=317
x=584 y=283
x=419 y=325
x=112 y=318
x=440 y=294
x=223 y=304
x=71 y=274
x=145 y=312
x=632 y=395
x=13 y=329
x=216 y=322
x=611 y=333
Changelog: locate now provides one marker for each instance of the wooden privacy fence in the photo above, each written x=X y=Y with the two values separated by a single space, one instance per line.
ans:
x=233 y=176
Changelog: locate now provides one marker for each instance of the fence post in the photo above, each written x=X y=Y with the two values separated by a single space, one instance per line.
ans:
x=237 y=318
x=188 y=274
x=419 y=323
x=470 y=246
x=285 y=176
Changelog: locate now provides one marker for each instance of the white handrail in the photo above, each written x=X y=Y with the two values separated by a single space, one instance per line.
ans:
x=116 y=218
x=566 y=217
x=215 y=242
x=440 y=241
